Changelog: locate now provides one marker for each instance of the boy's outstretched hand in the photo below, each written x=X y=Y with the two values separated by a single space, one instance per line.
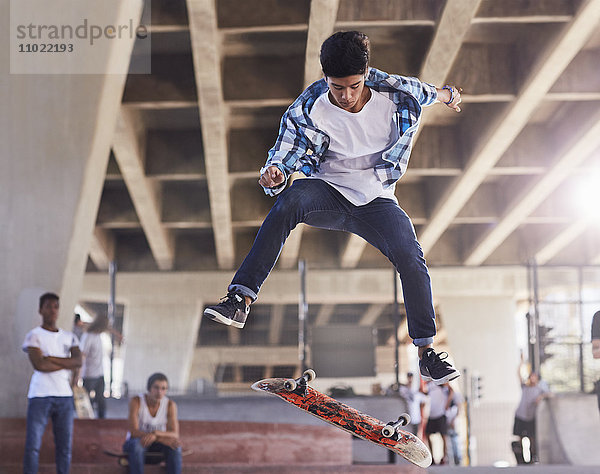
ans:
x=271 y=178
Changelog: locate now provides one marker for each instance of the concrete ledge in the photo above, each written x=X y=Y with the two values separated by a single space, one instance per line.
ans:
x=211 y=442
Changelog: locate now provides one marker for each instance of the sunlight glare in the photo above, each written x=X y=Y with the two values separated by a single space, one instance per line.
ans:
x=587 y=197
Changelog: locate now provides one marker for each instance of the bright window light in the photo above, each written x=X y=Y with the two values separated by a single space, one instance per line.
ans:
x=587 y=196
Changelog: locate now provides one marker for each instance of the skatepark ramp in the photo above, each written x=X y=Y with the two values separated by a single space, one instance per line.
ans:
x=569 y=430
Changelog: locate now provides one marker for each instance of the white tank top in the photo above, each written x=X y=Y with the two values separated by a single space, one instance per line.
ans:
x=149 y=423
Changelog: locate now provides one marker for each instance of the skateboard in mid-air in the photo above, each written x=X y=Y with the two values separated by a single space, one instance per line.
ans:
x=389 y=435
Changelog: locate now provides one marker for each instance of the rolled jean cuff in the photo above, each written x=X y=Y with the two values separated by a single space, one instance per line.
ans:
x=244 y=290
x=423 y=341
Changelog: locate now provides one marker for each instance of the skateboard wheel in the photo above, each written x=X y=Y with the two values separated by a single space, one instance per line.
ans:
x=310 y=375
x=388 y=431
x=404 y=419
x=290 y=385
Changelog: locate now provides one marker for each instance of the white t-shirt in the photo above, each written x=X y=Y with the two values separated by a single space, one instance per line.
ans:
x=55 y=344
x=357 y=141
x=92 y=349
x=438 y=398
x=414 y=400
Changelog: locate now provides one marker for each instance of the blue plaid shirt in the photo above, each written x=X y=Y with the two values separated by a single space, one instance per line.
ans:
x=301 y=146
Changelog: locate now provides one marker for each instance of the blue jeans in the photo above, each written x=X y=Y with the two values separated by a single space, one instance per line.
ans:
x=381 y=222
x=133 y=447
x=454 y=444
x=61 y=411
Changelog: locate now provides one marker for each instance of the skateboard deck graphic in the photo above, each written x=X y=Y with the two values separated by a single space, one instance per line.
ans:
x=301 y=395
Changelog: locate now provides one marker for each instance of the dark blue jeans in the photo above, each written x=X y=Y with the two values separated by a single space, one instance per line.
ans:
x=136 y=453
x=98 y=401
x=381 y=222
x=61 y=411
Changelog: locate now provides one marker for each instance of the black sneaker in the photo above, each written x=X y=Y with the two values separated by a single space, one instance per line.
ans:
x=434 y=368
x=232 y=310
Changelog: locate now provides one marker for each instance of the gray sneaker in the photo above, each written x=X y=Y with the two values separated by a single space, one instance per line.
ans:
x=433 y=367
x=232 y=310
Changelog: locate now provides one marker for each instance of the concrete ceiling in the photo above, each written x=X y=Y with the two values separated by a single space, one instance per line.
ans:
x=493 y=185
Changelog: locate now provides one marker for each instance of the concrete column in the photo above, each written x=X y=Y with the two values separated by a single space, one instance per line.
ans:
x=55 y=131
x=160 y=335
x=482 y=338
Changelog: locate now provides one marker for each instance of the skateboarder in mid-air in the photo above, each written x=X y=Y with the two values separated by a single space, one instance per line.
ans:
x=351 y=134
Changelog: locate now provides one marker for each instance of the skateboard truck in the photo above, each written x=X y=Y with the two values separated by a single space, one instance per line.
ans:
x=299 y=385
x=391 y=428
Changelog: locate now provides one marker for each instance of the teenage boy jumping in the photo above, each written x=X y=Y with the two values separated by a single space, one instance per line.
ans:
x=351 y=134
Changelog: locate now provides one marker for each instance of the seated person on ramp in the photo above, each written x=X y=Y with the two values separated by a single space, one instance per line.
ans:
x=153 y=427
x=350 y=133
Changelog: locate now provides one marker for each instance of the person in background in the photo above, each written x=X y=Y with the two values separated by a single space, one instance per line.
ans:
x=440 y=398
x=415 y=401
x=532 y=393
x=377 y=390
x=451 y=415
x=78 y=326
x=92 y=371
x=596 y=335
x=53 y=353
x=153 y=427
x=596 y=348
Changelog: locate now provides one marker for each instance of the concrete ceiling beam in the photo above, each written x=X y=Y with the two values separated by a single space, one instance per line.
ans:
x=450 y=33
x=324 y=315
x=359 y=24
x=452 y=28
x=323 y=14
x=372 y=314
x=524 y=9
x=560 y=241
x=234 y=335
x=102 y=249
x=129 y=148
x=324 y=287
x=276 y=324
x=352 y=251
x=491 y=97
x=237 y=30
x=570 y=157
x=205 y=41
x=523 y=19
x=550 y=65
